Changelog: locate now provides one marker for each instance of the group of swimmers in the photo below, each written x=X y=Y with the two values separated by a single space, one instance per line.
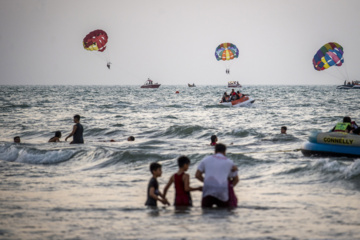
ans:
x=232 y=97
x=77 y=134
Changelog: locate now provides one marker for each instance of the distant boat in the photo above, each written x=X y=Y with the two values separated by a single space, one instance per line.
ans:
x=234 y=84
x=352 y=85
x=193 y=85
x=244 y=101
x=150 y=84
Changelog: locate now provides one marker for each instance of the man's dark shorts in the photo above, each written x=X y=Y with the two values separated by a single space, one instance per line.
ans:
x=209 y=201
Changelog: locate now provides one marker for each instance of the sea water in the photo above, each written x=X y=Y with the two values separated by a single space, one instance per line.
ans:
x=97 y=190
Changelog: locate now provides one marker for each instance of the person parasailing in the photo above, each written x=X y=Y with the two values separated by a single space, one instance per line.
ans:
x=96 y=42
x=226 y=52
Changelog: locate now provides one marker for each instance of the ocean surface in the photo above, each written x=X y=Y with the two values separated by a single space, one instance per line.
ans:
x=97 y=190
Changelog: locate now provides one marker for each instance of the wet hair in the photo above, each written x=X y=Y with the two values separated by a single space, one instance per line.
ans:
x=131 y=138
x=182 y=161
x=283 y=127
x=154 y=166
x=347 y=120
x=220 y=148
x=213 y=138
x=16 y=137
x=77 y=117
x=58 y=134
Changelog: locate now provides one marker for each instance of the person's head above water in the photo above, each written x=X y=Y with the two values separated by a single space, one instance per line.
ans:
x=220 y=148
x=347 y=119
x=131 y=138
x=58 y=134
x=283 y=130
x=213 y=139
x=17 y=139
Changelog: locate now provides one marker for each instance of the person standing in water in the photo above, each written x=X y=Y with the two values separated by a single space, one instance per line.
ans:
x=215 y=171
x=181 y=181
x=77 y=132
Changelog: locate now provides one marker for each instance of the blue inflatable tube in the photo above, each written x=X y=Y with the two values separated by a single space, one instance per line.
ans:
x=332 y=144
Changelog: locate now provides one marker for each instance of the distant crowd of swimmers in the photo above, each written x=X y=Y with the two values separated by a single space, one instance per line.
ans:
x=77 y=134
x=232 y=97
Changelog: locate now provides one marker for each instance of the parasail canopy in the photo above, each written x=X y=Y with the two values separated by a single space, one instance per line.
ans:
x=226 y=52
x=331 y=54
x=96 y=41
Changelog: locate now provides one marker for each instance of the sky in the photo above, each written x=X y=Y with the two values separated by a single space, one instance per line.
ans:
x=173 y=42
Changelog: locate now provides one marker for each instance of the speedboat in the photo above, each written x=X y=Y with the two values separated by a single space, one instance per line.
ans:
x=352 y=85
x=332 y=144
x=191 y=85
x=150 y=84
x=242 y=102
x=234 y=84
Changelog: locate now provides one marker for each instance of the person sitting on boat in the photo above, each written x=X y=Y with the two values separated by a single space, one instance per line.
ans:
x=345 y=126
x=225 y=97
x=239 y=94
x=232 y=95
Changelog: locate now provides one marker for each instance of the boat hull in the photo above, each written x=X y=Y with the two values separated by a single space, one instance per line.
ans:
x=317 y=149
x=332 y=144
x=151 y=86
x=242 y=102
x=348 y=87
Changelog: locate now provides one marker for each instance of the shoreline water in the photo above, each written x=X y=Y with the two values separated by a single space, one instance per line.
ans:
x=97 y=190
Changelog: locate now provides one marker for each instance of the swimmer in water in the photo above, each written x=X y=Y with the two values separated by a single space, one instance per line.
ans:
x=17 y=139
x=283 y=130
x=56 y=138
x=213 y=140
x=131 y=138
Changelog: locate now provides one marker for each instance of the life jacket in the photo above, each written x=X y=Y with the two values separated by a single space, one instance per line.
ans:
x=341 y=127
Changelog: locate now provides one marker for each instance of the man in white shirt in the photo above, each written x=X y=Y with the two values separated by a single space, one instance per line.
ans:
x=218 y=170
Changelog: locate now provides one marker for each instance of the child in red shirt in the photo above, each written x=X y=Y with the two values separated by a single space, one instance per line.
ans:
x=181 y=181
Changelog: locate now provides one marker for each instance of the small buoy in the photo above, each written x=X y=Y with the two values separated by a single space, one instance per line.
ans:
x=177 y=92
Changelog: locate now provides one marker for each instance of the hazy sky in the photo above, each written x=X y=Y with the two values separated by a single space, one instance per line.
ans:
x=173 y=42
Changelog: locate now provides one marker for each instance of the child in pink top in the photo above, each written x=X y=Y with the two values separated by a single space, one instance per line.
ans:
x=181 y=181
x=213 y=140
